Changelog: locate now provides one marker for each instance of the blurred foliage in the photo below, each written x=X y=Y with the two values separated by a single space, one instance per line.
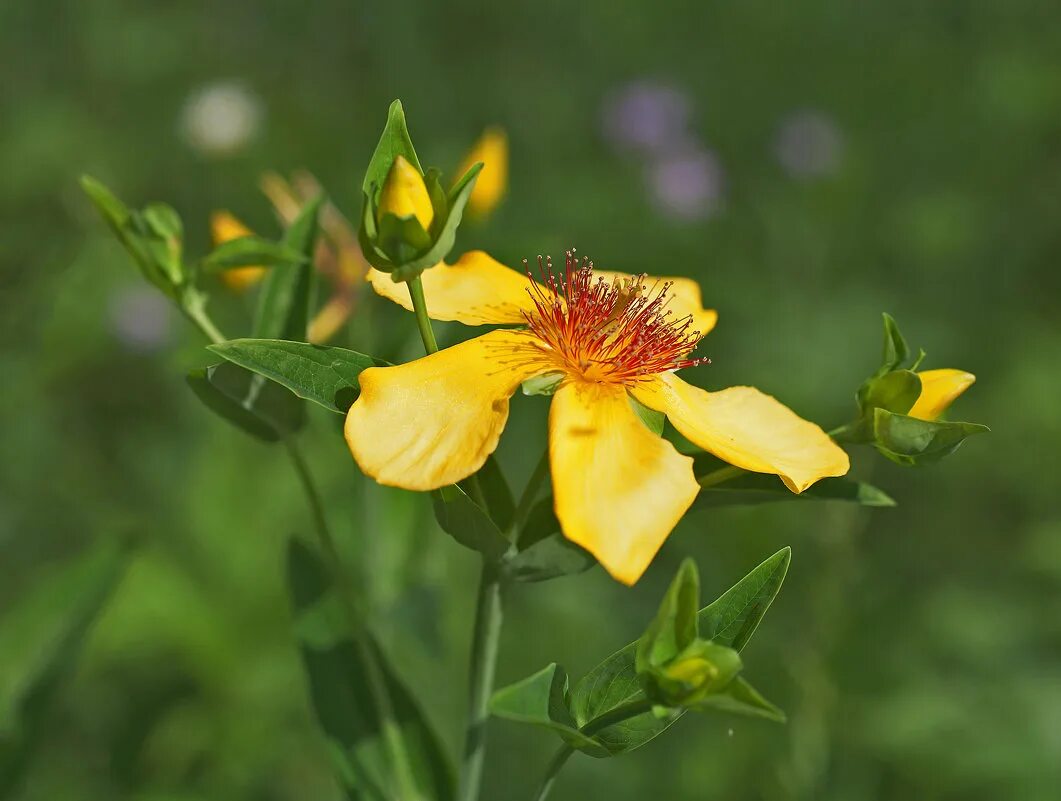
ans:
x=915 y=649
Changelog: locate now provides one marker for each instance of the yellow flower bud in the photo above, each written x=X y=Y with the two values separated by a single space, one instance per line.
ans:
x=492 y=151
x=405 y=195
x=939 y=389
x=224 y=227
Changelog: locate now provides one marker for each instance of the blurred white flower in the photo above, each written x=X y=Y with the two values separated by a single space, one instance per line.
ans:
x=808 y=144
x=688 y=184
x=221 y=118
x=647 y=116
x=140 y=318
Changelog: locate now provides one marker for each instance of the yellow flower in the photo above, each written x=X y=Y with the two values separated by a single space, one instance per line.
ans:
x=939 y=389
x=404 y=194
x=492 y=151
x=619 y=489
x=224 y=227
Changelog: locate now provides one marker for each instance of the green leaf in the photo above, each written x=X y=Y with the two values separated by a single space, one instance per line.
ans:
x=250 y=251
x=109 y=206
x=286 y=294
x=447 y=233
x=675 y=626
x=401 y=238
x=258 y=407
x=909 y=441
x=544 y=552
x=468 y=523
x=326 y=375
x=896 y=391
x=895 y=349
x=756 y=488
x=41 y=635
x=740 y=698
x=395 y=141
x=500 y=504
x=731 y=620
x=340 y=672
x=652 y=419
x=541 y=700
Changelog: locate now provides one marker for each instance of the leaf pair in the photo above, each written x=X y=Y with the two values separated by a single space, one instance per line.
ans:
x=591 y=716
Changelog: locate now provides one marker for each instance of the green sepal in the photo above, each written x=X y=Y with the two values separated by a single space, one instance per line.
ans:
x=740 y=698
x=324 y=374
x=287 y=292
x=447 y=233
x=910 y=441
x=541 y=700
x=728 y=621
x=468 y=523
x=165 y=239
x=896 y=391
x=439 y=200
x=674 y=627
x=544 y=552
x=653 y=420
x=895 y=350
x=544 y=384
x=401 y=238
x=393 y=142
x=702 y=669
x=249 y=251
x=261 y=408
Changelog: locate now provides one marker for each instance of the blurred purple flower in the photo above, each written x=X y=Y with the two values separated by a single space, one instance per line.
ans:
x=647 y=116
x=808 y=144
x=687 y=184
x=140 y=318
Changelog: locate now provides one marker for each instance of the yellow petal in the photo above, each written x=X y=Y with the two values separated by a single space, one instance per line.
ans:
x=748 y=429
x=434 y=421
x=492 y=151
x=939 y=388
x=619 y=489
x=405 y=195
x=477 y=290
x=685 y=299
x=224 y=227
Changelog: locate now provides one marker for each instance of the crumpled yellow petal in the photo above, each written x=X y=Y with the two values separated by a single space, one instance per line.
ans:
x=939 y=388
x=477 y=290
x=746 y=428
x=434 y=421
x=685 y=299
x=619 y=489
x=224 y=227
x=404 y=194
x=492 y=151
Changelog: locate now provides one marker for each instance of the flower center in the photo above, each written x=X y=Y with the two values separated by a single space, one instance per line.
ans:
x=615 y=332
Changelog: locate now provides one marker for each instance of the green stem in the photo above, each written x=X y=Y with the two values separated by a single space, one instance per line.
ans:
x=397 y=753
x=720 y=475
x=194 y=308
x=564 y=752
x=423 y=322
x=483 y=663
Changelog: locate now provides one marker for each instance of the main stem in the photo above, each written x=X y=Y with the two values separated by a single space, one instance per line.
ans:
x=485 y=641
x=423 y=322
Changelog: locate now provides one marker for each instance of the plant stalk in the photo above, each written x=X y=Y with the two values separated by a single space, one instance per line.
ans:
x=423 y=322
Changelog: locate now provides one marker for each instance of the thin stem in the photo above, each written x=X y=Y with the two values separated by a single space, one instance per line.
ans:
x=194 y=309
x=485 y=641
x=423 y=322
x=610 y=718
x=720 y=475
x=397 y=753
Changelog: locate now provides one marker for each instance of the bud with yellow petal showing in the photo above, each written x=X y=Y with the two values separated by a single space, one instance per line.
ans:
x=409 y=222
x=224 y=227
x=492 y=151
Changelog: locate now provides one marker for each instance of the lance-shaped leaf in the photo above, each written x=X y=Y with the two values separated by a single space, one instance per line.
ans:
x=756 y=488
x=740 y=698
x=326 y=375
x=250 y=251
x=347 y=677
x=730 y=621
x=544 y=552
x=287 y=292
x=675 y=625
x=40 y=637
x=259 y=407
x=468 y=523
x=910 y=441
x=541 y=700
x=895 y=350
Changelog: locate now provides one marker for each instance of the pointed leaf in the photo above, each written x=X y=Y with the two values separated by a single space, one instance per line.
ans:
x=325 y=375
x=741 y=698
x=468 y=523
x=250 y=251
x=259 y=407
x=895 y=348
x=395 y=141
x=675 y=626
x=756 y=488
x=286 y=294
x=909 y=441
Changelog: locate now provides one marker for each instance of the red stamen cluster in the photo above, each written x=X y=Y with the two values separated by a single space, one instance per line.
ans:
x=616 y=332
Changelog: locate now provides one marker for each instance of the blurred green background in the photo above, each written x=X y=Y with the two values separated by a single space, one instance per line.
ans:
x=811 y=164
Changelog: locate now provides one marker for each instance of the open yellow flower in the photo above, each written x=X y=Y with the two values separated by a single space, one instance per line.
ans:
x=939 y=389
x=619 y=489
x=224 y=227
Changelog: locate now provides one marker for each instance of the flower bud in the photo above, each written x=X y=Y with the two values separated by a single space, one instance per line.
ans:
x=404 y=194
